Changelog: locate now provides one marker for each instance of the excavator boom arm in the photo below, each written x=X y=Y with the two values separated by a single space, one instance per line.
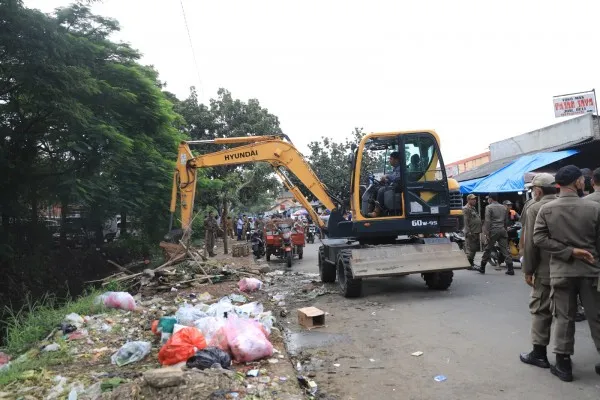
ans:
x=272 y=150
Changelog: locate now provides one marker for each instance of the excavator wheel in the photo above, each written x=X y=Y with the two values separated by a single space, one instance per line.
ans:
x=438 y=280
x=326 y=270
x=350 y=287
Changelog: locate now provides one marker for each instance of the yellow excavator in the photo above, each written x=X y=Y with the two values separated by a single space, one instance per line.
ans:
x=398 y=219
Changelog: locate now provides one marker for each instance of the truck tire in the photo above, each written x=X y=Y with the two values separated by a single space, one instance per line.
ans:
x=438 y=280
x=300 y=253
x=268 y=256
x=288 y=259
x=350 y=287
x=326 y=269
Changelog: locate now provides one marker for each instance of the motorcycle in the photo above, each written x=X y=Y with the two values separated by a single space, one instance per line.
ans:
x=311 y=233
x=284 y=243
x=258 y=244
x=458 y=238
x=249 y=234
x=496 y=257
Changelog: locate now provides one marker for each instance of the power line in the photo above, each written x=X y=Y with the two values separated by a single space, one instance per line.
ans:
x=192 y=47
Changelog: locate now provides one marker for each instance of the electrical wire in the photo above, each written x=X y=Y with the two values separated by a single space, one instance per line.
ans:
x=191 y=47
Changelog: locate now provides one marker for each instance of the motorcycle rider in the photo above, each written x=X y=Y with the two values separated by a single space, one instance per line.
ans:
x=494 y=230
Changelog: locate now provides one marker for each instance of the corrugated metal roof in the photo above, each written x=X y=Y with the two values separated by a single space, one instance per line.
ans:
x=493 y=166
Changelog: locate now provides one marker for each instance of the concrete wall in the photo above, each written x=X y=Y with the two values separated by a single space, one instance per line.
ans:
x=553 y=135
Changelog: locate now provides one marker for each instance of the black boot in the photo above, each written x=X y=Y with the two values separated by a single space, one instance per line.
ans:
x=598 y=368
x=536 y=357
x=511 y=270
x=563 y=369
x=472 y=265
x=481 y=269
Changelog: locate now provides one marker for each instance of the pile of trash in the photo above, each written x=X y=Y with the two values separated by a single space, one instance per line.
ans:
x=152 y=347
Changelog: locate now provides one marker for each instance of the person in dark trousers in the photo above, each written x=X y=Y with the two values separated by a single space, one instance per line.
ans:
x=472 y=229
x=494 y=230
x=536 y=267
x=569 y=229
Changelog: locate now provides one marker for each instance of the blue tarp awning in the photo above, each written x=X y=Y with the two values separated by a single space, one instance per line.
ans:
x=510 y=177
x=466 y=187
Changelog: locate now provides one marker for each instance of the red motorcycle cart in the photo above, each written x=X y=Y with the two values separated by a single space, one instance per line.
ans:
x=284 y=241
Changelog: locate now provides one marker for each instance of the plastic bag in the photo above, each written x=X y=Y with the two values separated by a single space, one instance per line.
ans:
x=208 y=357
x=122 y=300
x=73 y=319
x=250 y=284
x=131 y=352
x=266 y=319
x=187 y=314
x=219 y=309
x=247 y=339
x=209 y=326
x=249 y=310
x=181 y=346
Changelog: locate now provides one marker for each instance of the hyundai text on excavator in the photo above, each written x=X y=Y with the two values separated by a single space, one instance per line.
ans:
x=404 y=236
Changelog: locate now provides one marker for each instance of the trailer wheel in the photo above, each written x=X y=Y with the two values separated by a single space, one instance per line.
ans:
x=438 y=280
x=268 y=256
x=288 y=259
x=300 y=253
x=350 y=287
x=326 y=269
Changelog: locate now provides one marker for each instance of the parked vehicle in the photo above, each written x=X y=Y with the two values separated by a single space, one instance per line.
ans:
x=311 y=232
x=258 y=244
x=496 y=257
x=285 y=243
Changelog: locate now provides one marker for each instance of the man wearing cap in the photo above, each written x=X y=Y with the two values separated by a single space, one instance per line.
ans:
x=494 y=230
x=569 y=229
x=536 y=266
x=512 y=215
x=595 y=195
x=472 y=229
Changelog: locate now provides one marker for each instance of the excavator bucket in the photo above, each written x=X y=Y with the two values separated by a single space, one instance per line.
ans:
x=402 y=259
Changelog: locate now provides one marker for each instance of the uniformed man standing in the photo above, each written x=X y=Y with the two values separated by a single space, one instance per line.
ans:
x=569 y=229
x=523 y=219
x=230 y=230
x=494 y=230
x=536 y=266
x=472 y=229
x=595 y=195
x=211 y=228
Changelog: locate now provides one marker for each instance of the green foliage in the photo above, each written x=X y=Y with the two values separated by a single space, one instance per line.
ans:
x=33 y=322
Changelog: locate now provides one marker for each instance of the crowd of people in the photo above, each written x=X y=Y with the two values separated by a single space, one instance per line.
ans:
x=560 y=257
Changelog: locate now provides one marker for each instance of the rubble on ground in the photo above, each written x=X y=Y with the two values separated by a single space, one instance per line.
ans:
x=114 y=353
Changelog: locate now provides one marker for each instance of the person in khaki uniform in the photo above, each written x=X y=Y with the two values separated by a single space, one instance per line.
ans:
x=569 y=229
x=595 y=195
x=494 y=230
x=230 y=230
x=523 y=219
x=536 y=266
x=211 y=228
x=472 y=229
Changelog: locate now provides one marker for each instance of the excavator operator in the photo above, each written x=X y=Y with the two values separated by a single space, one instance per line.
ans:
x=388 y=179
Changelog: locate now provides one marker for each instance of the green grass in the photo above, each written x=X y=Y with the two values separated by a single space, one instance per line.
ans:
x=37 y=363
x=33 y=322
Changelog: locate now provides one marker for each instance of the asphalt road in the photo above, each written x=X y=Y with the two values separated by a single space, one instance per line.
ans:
x=472 y=334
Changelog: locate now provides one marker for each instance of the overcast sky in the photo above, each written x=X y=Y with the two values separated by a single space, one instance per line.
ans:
x=476 y=71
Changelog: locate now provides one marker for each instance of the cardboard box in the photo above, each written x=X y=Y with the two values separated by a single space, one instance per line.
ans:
x=311 y=317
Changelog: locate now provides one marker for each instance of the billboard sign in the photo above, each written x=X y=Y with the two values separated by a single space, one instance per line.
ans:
x=575 y=104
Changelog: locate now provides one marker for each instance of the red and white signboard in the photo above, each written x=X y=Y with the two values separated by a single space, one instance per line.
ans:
x=575 y=104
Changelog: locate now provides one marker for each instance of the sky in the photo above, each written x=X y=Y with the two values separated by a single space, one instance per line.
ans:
x=475 y=71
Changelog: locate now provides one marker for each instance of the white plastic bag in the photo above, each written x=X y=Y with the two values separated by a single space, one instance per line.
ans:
x=250 y=284
x=122 y=300
x=249 y=310
x=187 y=314
x=219 y=309
x=247 y=340
x=209 y=326
x=131 y=352
x=74 y=319
x=266 y=319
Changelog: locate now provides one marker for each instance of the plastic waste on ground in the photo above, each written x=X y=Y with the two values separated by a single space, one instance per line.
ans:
x=237 y=298
x=249 y=310
x=121 y=300
x=210 y=327
x=58 y=389
x=131 y=352
x=187 y=314
x=181 y=346
x=247 y=339
x=209 y=356
x=51 y=347
x=220 y=309
x=166 y=324
x=4 y=361
x=250 y=285
x=440 y=378
x=204 y=296
x=74 y=319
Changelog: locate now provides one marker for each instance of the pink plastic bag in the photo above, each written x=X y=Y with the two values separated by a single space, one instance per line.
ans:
x=249 y=284
x=247 y=340
x=122 y=300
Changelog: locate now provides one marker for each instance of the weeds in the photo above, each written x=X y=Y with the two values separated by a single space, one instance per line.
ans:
x=33 y=322
x=33 y=367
